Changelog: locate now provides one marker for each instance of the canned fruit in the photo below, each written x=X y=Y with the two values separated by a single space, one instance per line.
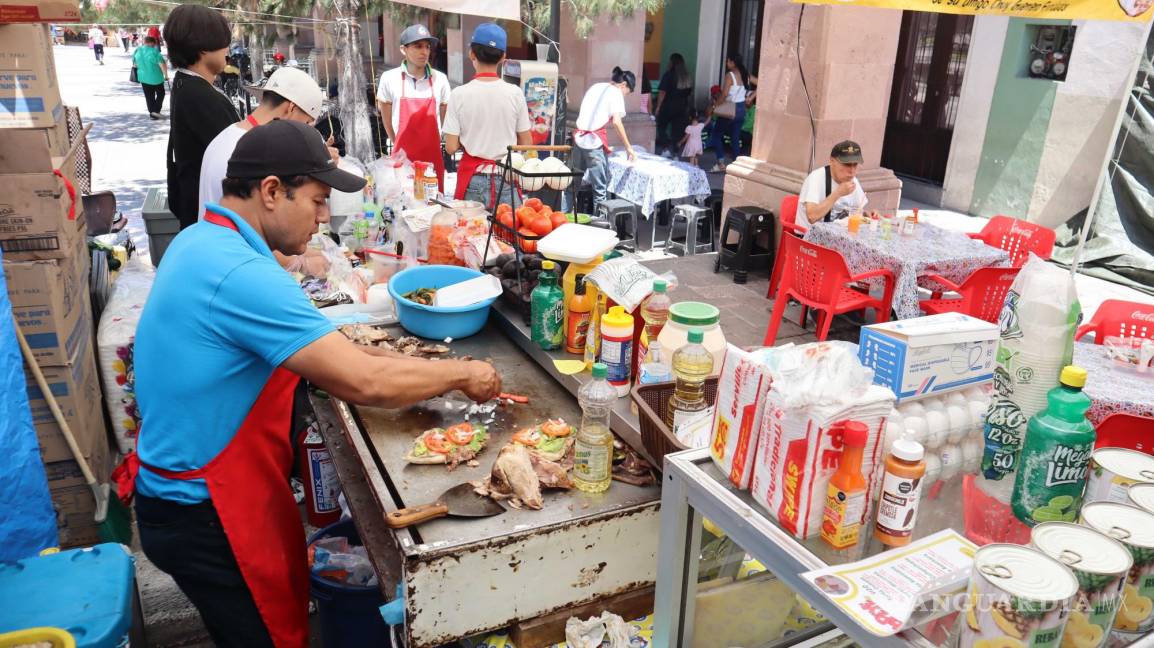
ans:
x=1080 y=633
x=1113 y=471
x=999 y=642
x=1134 y=611
x=1018 y=597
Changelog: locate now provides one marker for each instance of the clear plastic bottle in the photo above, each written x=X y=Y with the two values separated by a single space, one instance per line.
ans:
x=692 y=364
x=655 y=312
x=655 y=366
x=593 y=449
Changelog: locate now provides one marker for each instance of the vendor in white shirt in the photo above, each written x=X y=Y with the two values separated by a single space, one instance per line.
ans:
x=413 y=99
x=832 y=192
x=603 y=103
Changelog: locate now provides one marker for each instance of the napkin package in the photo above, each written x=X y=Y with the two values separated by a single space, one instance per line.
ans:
x=741 y=390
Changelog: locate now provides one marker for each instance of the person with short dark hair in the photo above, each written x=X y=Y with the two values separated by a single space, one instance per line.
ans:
x=413 y=98
x=485 y=117
x=151 y=73
x=96 y=42
x=211 y=473
x=833 y=191
x=672 y=109
x=603 y=103
x=198 y=39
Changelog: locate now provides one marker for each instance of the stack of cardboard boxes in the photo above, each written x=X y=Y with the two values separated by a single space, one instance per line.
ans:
x=46 y=262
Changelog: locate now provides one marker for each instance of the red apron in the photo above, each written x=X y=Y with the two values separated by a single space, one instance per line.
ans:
x=248 y=485
x=469 y=164
x=600 y=133
x=418 y=133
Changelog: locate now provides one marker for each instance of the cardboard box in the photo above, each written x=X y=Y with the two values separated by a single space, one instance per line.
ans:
x=75 y=516
x=67 y=472
x=40 y=217
x=929 y=355
x=51 y=305
x=39 y=11
x=30 y=150
x=77 y=391
x=29 y=90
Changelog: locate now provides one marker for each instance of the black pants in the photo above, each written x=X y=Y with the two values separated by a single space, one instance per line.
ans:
x=153 y=96
x=188 y=543
x=98 y=50
x=125 y=41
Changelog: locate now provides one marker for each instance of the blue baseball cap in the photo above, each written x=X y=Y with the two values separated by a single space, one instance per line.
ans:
x=490 y=34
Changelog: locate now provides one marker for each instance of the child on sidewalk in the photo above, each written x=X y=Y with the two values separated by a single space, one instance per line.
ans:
x=691 y=142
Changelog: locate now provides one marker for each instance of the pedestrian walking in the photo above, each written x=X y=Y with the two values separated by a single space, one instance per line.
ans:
x=151 y=72
x=122 y=34
x=96 y=42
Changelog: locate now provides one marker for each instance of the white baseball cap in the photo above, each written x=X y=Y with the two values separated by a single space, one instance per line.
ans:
x=296 y=86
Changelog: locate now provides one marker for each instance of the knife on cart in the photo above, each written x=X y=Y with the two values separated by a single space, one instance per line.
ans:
x=458 y=501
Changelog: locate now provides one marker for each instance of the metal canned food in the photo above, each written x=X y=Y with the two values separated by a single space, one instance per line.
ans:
x=1101 y=565
x=1113 y=470
x=1142 y=496
x=1018 y=597
x=1134 y=528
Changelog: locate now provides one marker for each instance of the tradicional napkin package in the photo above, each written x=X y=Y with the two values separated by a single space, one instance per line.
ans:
x=741 y=390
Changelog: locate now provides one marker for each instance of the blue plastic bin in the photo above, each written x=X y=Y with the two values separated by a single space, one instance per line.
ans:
x=349 y=614
x=87 y=592
x=436 y=322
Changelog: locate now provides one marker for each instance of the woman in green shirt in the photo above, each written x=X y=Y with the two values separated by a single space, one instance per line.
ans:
x=151 y=72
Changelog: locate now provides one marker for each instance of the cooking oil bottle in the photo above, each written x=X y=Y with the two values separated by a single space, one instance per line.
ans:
x=692 y=364
x=593 y=450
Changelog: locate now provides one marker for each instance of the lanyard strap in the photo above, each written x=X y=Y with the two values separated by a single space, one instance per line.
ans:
x=486 y=75
x=252 y=120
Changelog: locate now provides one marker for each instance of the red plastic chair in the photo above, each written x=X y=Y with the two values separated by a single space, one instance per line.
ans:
x=982 y=294
x=1121 y=430
x=1116 y=317
x=817 y=278
x=787 y=214
x=1018 y=237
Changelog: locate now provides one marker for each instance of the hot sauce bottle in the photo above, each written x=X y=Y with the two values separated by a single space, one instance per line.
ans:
x=845 y=497
x=901 y=492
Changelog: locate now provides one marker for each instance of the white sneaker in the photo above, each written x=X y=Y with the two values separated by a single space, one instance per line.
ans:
x=717 y=168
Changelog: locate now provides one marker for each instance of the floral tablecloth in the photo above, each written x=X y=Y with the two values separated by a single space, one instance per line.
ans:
x=1112 y=388
x=931 y=250
x=652 y=179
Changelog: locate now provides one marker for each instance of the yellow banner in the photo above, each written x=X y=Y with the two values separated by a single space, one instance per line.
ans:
x=1128 y=10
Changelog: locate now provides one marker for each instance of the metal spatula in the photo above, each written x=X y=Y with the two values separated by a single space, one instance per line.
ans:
x=458 y=501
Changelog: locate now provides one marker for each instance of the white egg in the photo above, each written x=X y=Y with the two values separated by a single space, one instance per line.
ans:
x=978 y=414
x=933 y=471
x=955 y=398
x=916 y=428
x=937 y=428
x=960 y=423
x=951 y=458
x=971 y=456
x=894 y=431
x=934 y=403
x=912 y=409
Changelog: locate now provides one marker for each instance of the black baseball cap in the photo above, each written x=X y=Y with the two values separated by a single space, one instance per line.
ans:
x=846 y=152
x=288 y=148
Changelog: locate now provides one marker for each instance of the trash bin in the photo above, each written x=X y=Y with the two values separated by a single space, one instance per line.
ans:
x=160 y=223
x=349 y=614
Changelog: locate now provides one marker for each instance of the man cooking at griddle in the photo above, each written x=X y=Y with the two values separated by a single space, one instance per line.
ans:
x=225 y=338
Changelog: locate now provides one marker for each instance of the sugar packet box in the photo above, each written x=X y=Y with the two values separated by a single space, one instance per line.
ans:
x=741 y=389
x=799 y=449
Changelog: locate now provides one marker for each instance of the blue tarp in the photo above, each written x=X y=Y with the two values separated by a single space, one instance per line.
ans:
x=27 y=520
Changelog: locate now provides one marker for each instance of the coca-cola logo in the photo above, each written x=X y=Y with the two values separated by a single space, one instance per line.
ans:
x=1142 y=317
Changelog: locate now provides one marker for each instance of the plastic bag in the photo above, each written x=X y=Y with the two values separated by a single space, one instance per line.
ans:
x=334 y=559
x=627 y=282
x=820 y=373
x=595 y=632
x=348 y=204
x=386 y=264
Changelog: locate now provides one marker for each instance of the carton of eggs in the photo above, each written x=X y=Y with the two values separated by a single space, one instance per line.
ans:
x=937 y=427
x=960 y=422
x=952 y=459
x=555 y=165
x=933 y=471
x=971 y=455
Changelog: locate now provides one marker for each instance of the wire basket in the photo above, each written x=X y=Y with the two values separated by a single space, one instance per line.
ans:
x=652 y=401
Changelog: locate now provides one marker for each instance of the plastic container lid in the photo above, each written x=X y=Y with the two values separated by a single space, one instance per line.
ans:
x=1081 y=548
x=659 y=285
x=696 y=336
x=1073 y=376
x=856 y=434
x=907 y=450
x=617 y=317
x=576 y=243
x=694 y=314
x=600 y=370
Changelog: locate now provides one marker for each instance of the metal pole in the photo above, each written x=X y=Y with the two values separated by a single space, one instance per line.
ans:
x=554 y=30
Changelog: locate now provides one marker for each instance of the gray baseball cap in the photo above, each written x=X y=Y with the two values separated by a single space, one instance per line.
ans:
x=414 y=33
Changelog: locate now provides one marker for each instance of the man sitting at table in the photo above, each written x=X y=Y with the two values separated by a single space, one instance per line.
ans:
x=832 y=192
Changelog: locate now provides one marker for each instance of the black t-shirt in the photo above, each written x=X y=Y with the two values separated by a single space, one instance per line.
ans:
x=676 y=102
x=198 y=112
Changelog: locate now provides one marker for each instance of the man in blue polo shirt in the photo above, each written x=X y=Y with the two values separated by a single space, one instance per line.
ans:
x=225 y=336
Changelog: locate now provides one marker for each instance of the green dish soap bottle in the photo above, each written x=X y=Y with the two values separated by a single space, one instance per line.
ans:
x=547 y=309
x=1051 y=475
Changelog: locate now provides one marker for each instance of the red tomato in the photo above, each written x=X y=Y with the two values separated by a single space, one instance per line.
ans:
x=461 y=434
x=534 y=203
x=527 y=245
x=505 y=218
x=558 y=219
x=524 y=216
x=437 y=442
x=527 y=437
x=504 y=207
x=541 y=226
x=556 y=428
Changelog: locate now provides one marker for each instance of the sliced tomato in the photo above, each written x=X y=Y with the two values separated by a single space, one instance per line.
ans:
x=527 y=437
x=461 y=434
x=437 y=442
x=556 y=428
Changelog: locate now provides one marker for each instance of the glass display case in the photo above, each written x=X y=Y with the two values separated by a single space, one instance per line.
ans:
x=728 y=575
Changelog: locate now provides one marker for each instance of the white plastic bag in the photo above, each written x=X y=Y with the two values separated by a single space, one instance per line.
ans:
x=627 y=282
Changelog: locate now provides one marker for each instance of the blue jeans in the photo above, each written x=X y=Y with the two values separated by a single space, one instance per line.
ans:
x=482 y=187
x=598 y=171
x=731 y=127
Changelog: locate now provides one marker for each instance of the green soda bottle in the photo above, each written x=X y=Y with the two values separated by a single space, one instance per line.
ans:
x=1051 y=475
x=547 y=309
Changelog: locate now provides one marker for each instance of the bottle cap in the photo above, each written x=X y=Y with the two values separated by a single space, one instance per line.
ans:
x=617 y=317
x=696 y=336
x=579 y=285
x=1073 y=376
x=908 y=450
x=694 y=314
x=856 y=434
x=659 y=285
x=600 y=370
x=548 y=265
